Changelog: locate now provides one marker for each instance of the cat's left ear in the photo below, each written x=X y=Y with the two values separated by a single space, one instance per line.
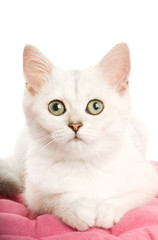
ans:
x=37 y=69
x=116 y=66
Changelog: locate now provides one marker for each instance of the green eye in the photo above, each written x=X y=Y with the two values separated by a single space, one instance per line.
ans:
x=95 y=107
x=56 y=107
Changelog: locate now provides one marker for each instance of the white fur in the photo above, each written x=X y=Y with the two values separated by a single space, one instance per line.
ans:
x=89 y=182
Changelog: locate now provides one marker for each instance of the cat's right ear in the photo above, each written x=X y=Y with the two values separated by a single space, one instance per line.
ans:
x=36 y=67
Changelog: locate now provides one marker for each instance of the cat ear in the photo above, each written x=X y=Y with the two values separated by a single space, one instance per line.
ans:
x=36 y=67
x=116 y=66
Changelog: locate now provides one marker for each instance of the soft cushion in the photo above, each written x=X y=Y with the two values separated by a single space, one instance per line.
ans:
x=17 y=223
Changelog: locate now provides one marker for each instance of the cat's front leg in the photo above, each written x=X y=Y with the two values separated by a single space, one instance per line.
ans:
x=78 y=213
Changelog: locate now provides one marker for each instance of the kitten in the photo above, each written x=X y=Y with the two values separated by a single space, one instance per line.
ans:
x=81 y=156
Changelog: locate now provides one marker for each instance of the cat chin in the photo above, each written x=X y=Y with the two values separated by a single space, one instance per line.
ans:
x=76 y=145
x=75 y=142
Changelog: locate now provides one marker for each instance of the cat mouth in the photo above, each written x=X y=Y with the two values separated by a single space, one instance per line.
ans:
x=77 y=138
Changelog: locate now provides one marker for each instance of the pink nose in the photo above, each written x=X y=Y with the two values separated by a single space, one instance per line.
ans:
x=75 y=126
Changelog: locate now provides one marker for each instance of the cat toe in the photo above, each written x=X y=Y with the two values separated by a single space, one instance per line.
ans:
x=107 y=215
x=80 y=218
x=81 y=223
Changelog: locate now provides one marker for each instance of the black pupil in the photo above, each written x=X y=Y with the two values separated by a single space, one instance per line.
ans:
x=96 y=106
x=56 y=106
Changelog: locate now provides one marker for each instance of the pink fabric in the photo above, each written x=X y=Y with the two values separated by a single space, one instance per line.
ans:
x=17 y=223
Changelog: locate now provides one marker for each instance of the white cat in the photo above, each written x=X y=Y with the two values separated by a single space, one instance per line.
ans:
x=81 y=156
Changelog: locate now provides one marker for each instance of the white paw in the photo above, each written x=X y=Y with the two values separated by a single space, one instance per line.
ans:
x=108 y=213
x=79 y=217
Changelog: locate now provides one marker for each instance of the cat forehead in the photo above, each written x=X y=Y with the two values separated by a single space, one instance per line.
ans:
x=78 y=81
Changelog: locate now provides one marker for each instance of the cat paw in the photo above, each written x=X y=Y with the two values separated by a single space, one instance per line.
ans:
x=108 y=214
x=80 y=218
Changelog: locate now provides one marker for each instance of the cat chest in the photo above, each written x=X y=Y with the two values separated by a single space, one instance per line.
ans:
x=89 y=182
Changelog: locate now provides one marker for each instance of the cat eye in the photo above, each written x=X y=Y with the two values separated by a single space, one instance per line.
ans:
x=56 y=107
x=95 y=107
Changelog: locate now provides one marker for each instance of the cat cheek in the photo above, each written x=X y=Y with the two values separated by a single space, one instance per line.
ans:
x=87 y=136
x=62 y=136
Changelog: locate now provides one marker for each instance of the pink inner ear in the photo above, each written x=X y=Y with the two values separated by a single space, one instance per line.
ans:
x=31 y=90
x=36 y=68
x=116 y=66
x=35 y=76
x=32 y=86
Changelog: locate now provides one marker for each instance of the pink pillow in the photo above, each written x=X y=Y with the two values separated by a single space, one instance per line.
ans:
x=17 y=223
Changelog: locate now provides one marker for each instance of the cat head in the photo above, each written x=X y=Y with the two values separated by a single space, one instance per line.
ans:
x=77 y=109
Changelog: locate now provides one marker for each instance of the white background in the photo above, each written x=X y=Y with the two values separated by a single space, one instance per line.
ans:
x=76 y=34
